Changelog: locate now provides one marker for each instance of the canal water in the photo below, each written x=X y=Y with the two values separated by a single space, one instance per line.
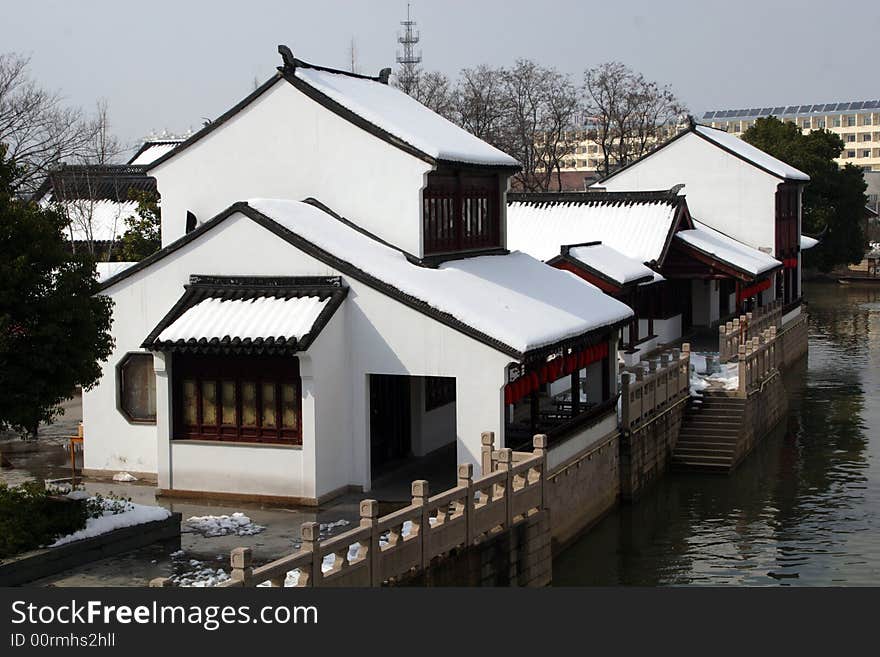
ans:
x=802 y=510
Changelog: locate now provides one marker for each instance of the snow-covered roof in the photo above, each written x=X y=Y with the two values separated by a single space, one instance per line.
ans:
x=153 y=150
x=403 y=117
x=611 y=263
x=638 y=228
x=751 y=153
x=246 y=319
x=513 y=299
x=728 y=250
x=808 y=242
x=248 y=314
x=107 y=269
x=96 y=221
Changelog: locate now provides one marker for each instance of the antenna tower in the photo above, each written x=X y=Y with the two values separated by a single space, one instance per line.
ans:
x=409 y=61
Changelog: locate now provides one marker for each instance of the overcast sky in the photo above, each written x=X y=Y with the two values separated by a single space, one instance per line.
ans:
x=167 y=65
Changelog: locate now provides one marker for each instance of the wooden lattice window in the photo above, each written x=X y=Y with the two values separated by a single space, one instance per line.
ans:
x=240 y=398
x=136 y=381
x=461 y=212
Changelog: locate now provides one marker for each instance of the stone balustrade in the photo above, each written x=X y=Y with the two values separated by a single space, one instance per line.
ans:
x=654 y=386
x=758 y=359
x=404 y=542
x=746 y=327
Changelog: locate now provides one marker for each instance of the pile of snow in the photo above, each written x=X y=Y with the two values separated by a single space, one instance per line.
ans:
x=132 y=514
x=124 y=476
x=199 y=575
x=719 y=376
x=237 y=524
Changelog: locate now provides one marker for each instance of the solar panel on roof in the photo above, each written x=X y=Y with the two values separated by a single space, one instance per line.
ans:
x=830 y=107
x=805 y=108
x=842 y=106
x=856 y=106
x=817 y=108
x=791 y=109
x=755 y=111
x=709 y=115
x=778 y=110
x=767 y=110
x=871 y=104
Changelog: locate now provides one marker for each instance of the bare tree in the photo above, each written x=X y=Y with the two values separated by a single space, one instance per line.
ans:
x=37 y=128
x=480 y=107
x=627 y=114
x=432 y=89
x=541 y=109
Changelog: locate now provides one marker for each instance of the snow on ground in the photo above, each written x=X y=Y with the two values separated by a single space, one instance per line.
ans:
x=131 y=514
x=199 y=574
x=237 y=524
x=725 y=378
x=124 y=476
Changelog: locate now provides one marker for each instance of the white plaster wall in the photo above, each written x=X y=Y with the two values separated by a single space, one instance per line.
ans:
x=579 y=442
x=668 y=330
x=286 y=145
x=371 y=333
x=722 y=190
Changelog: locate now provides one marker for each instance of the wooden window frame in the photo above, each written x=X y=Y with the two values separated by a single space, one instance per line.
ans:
x=259 y=370
x=120 y=388
x=445 y=224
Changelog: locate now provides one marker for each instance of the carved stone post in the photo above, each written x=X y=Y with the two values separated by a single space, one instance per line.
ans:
x=488 y=444
x=505 y=463
x=421 y=491
x=466 y=480
x=242 y=570
x=369 y=511
x=311 y=543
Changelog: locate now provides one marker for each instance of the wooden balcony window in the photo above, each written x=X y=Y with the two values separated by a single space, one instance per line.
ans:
x=461 y=213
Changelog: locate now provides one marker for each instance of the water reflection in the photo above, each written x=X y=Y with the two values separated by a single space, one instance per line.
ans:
x=799 y=511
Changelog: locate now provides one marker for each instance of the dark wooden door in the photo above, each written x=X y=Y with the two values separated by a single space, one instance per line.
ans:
x=390 y=437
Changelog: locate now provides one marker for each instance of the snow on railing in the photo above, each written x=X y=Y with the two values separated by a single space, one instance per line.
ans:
x=735 y=333
x=406 y=541
x=654 y=386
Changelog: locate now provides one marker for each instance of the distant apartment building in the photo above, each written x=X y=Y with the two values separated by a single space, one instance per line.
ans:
x=583 y=165
x=857 y=123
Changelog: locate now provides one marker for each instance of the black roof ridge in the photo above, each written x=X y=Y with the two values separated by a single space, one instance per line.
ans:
x=248 y=281
x=194 y=294
x=216 y=123
x=692 y=128
x=287 y=72
x=355 y=272
x=671 y=196
x=149 y=143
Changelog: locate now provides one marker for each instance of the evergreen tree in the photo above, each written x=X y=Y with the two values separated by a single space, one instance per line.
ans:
x=835 y=197
x=142 y=236
x=54 y=328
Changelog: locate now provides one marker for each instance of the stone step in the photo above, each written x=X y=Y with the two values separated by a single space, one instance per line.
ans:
x=687 y=452
x=702 y=464
x=710 y=430
x=731 y=405
x=719 y=441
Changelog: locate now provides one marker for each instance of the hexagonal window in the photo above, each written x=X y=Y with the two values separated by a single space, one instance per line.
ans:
x=137 y=388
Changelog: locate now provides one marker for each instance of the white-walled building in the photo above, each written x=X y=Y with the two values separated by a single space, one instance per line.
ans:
x=301 y=331
x=646 y=250
x=734 y=188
